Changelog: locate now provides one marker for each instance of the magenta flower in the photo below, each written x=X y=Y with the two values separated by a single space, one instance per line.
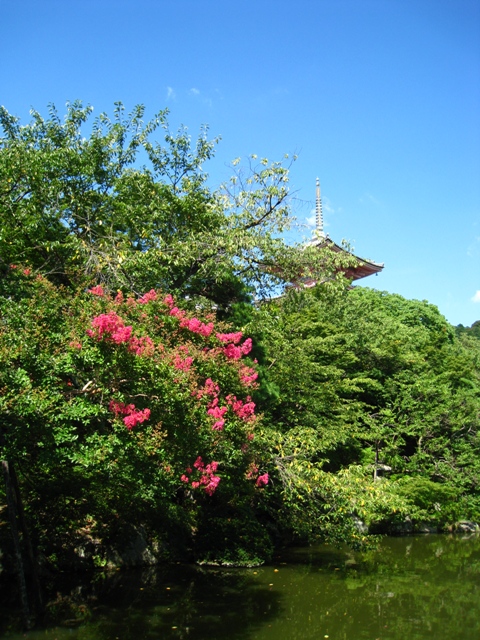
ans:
x=132 y=415
x=262 y=481
x=232 y=352
x=242 y=410
x=136 y=417
x=182 y=364
x=169 y=301
x=247 y=376
x=97 y=291
x=141 y=346
x=147 y=297
x=234 y=338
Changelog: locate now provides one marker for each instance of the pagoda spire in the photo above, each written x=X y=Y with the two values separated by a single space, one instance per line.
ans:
x=319 y=213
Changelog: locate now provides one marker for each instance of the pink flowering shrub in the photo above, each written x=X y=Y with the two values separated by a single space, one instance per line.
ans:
x=214 y=420
x=110 y=327
x=234 y=352
x=141 y=346
x=182 y=364
x=196 y=326
x=142 y=402
x=244 y=410
x=169 y=301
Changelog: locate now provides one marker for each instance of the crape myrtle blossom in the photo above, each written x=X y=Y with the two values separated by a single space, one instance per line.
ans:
x=234 y=352
x=192 y=324
x=182 y=364
x=110 y=327
x=217 y=412
x=97 y=291
x=169 y=301
x=196 y=326
x=133 y=416
x=147 y=297
x=223 y=349
x=262 y=481
x=177 y=313
x=207 y=480
x=247 y=376
x=210 y=388
x=234 y=338
x=141 y=346
x=245 y=411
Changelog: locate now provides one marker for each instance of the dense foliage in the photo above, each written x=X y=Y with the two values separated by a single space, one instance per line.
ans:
x=371 y=382
x=141 y=387
x=121 y=410
x=82 y=209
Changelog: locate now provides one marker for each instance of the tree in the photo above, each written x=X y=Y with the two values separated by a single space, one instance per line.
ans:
x=365 y=382
x=80 y=209
x=123 y=410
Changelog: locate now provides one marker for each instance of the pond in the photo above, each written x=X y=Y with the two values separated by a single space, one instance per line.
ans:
x=416 y=588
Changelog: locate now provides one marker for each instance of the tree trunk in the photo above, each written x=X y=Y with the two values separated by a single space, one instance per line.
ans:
x=37 y=589
x=19 y=564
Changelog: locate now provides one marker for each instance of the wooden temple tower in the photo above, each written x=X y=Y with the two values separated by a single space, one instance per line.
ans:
x=361 y=269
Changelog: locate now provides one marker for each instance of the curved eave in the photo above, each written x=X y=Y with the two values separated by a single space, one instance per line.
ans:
x=363 y=267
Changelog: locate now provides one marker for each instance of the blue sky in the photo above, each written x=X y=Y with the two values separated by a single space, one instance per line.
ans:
x=379 y=98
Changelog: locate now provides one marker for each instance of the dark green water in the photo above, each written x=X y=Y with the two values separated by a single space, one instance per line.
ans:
x=410 y=588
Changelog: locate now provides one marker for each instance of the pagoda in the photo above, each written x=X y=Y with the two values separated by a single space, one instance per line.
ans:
x=361 y=267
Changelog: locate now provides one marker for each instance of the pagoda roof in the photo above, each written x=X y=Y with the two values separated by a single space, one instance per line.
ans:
x=362 y=267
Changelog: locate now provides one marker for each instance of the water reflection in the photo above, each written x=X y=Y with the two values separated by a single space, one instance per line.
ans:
x=416 y=588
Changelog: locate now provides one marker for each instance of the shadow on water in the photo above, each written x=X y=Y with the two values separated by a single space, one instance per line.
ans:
x=416 y=588
x=170 y=602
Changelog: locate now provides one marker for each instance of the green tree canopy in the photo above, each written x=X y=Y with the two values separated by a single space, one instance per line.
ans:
x=102 y=203
x=367 y=380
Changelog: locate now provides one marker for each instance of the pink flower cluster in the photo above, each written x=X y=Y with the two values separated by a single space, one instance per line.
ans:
x=182 y=364
x=252 y=471
x=230 y=337
x=262 y=481
x=147 y=297
x=196 y=326
x=247 y=376
x=177 y=313
x=97 y=291
x=132 y=415
x=111 y=327
x=245 y=411
x=141 y=346
x=234 y=352
x=211 y=389
x=217 y=412
x=169 y=301
x=208 y=480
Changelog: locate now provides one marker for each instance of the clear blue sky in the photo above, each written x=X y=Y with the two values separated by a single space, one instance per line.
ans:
x=379 y=98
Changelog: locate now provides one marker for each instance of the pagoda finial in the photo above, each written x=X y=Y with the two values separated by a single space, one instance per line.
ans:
x=319 y=213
